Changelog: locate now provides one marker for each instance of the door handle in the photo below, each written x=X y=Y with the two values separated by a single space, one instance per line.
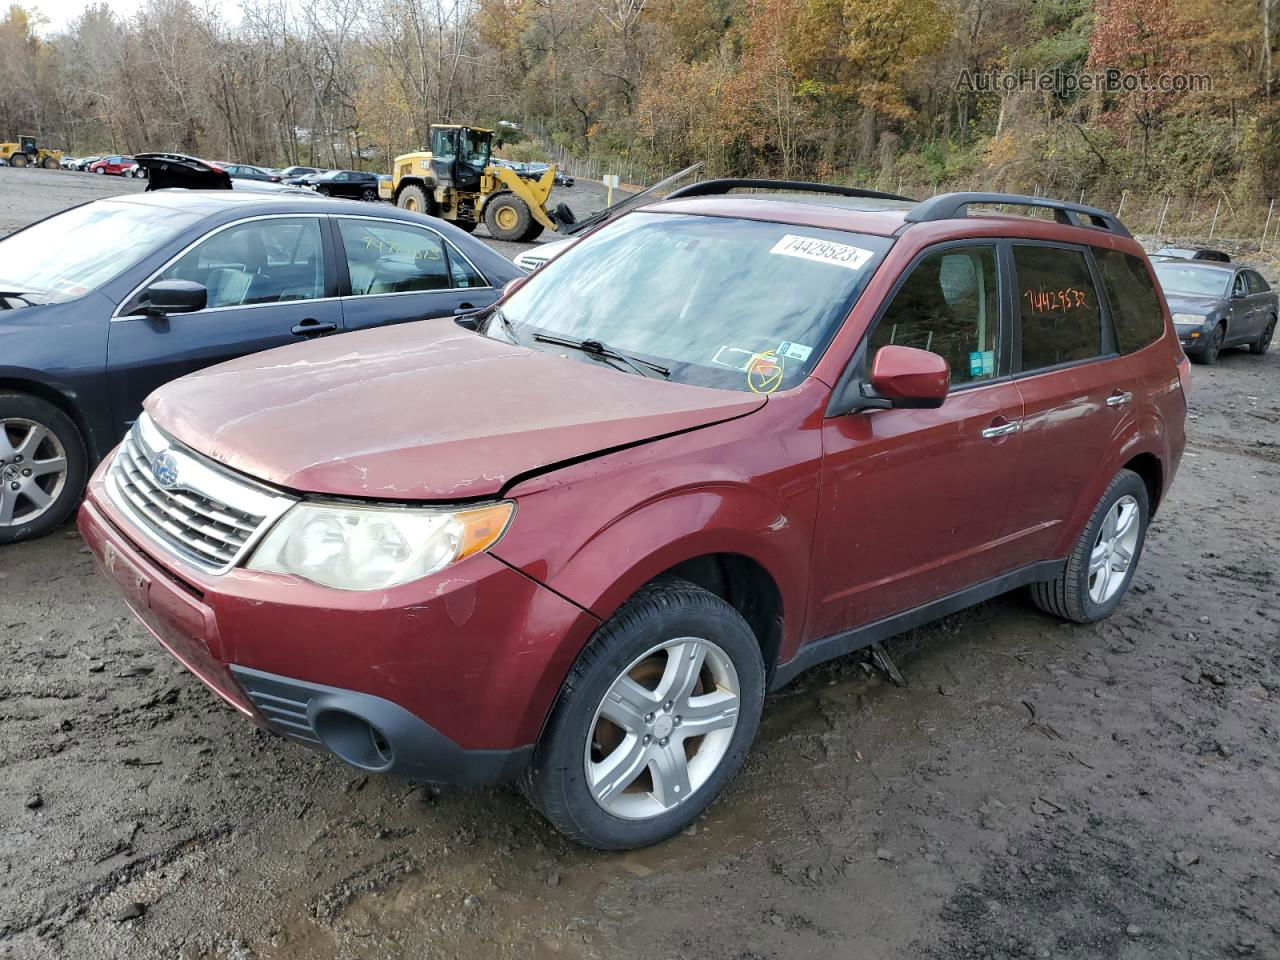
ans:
x=1119 y=399
x=1001 y=430
x=313 y=328
x=464 y=309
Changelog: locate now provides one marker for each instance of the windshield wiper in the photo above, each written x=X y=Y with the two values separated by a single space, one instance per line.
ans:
x=603 y=351
x=23 y=295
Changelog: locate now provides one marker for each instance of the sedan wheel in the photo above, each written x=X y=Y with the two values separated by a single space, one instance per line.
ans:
x=1263 y=343
x=662 y=728
x=42 y=467
x=33 y=471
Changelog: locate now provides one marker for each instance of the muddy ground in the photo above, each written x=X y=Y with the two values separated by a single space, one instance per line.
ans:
x=1037 y=790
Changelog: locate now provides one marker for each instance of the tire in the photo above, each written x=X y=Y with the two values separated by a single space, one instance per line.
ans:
x=507 y=217
x=627 y=650
x=21 y=454
x=414 y=198
x=369 y=195
x=101 y=171
x=1208 y=355
x=18 y=160
x=1263 y=343
x=50 y=163
x=1072 y=595
x=533 y=233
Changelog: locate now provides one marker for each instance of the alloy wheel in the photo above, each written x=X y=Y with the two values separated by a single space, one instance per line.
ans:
x=33 y=470
x=1113 y=550
x=1215 y=343
x=662 y=728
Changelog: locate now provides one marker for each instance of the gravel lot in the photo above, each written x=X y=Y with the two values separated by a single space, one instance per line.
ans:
x=1037 y=790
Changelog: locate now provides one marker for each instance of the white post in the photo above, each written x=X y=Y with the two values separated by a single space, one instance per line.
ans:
x=1214 y=224
x=1163 y=212
x=1267 y=225
x=1120 y=209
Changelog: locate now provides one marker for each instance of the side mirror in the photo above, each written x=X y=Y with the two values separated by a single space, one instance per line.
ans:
x=174 y=296
x=512 y=286
x=911 y=378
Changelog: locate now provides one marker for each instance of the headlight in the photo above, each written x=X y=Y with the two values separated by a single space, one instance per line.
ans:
x=1189 y=318
x=371 y=548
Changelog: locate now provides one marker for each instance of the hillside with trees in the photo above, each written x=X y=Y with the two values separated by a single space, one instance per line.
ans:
x=838 y=90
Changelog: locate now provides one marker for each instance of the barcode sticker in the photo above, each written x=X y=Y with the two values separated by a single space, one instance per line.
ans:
x=823 y=251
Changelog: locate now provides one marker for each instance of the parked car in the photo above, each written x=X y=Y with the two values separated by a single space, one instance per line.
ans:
x=115 y=166
x=1190 y=253
x=68 y=163
x=102 y=303
x=291 y=172
x=1215 y=307
x=243 y=171
x=137 y=172
x=540 y=253
x=353 y=184
x=537 y=169
x=720 y=440
x=84 y=163
x=165 y=170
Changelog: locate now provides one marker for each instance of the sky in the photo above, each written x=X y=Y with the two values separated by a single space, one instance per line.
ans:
x=59 y=13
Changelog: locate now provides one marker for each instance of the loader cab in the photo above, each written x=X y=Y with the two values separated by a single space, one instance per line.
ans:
x=459 y=156
x=28 y=145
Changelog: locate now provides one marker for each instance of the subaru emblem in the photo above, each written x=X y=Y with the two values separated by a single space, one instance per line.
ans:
x=165 y=469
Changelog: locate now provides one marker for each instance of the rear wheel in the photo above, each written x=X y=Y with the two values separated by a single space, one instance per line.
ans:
x=1263 y=343
x=653 y=721
x=18 y=160
x=1102 y=563
x=50 y=163
x=507 y=217
x=368 y=195
x=43 y=467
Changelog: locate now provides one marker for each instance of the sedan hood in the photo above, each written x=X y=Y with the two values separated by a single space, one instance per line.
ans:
x=1188 y=303
x=421 y=411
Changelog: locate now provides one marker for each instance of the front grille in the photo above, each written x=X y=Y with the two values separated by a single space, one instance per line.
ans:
x=209 y=517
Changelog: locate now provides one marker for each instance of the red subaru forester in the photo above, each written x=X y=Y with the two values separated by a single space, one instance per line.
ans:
x=574 y=540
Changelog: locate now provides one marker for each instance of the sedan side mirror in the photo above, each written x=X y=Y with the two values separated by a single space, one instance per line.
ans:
x=910 y=378
x=174 y=296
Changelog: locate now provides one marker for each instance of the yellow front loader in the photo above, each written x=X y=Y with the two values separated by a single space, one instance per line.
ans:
x=459 y=181
x=25 y=152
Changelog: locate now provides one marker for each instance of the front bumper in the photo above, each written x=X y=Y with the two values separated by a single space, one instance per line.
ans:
x=454 y=674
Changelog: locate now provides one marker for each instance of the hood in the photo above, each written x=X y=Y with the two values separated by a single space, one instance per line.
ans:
x=421 y=411
x=1189 y=303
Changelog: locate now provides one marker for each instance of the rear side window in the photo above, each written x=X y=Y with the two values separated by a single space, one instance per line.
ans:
x=949 y=305
x=1057 y=307
x=462 y=272
x=1256 y=283
x=1135 y=306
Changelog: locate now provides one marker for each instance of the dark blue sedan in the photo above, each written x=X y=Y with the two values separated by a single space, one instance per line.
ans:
x=101 y=304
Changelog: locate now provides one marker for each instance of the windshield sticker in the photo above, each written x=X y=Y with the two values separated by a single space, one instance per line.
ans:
x=796 y=351
x=765 y=371
x=733 y=357
x=823 y=251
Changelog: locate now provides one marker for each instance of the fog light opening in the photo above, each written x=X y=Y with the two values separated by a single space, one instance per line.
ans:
x=354 y=740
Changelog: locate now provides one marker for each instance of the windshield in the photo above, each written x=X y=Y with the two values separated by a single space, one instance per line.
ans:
x=1196 y=281
x=715 y=301
x=108 y=239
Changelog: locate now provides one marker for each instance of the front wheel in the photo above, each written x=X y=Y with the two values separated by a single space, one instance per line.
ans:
x=43 y=467
x=1208 y=355
x=1263 y=343
x=368 y=195
x=50 y=163
x=653 y=721
x=507 y=217
x=1102 y=563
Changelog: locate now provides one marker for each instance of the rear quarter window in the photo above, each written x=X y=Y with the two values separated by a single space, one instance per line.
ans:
x=1135 y=305
x=1057 y=307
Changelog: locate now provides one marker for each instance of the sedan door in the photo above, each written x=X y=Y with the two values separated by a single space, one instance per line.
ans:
x=393 y=272
x=269 y=283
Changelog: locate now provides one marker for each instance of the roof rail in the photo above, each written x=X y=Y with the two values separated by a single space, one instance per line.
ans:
x=710 y=188
x=948 y=206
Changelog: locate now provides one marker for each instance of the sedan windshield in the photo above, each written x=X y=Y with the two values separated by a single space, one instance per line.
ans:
x=1196 y=281
x=74 y=252
x=712 y=301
